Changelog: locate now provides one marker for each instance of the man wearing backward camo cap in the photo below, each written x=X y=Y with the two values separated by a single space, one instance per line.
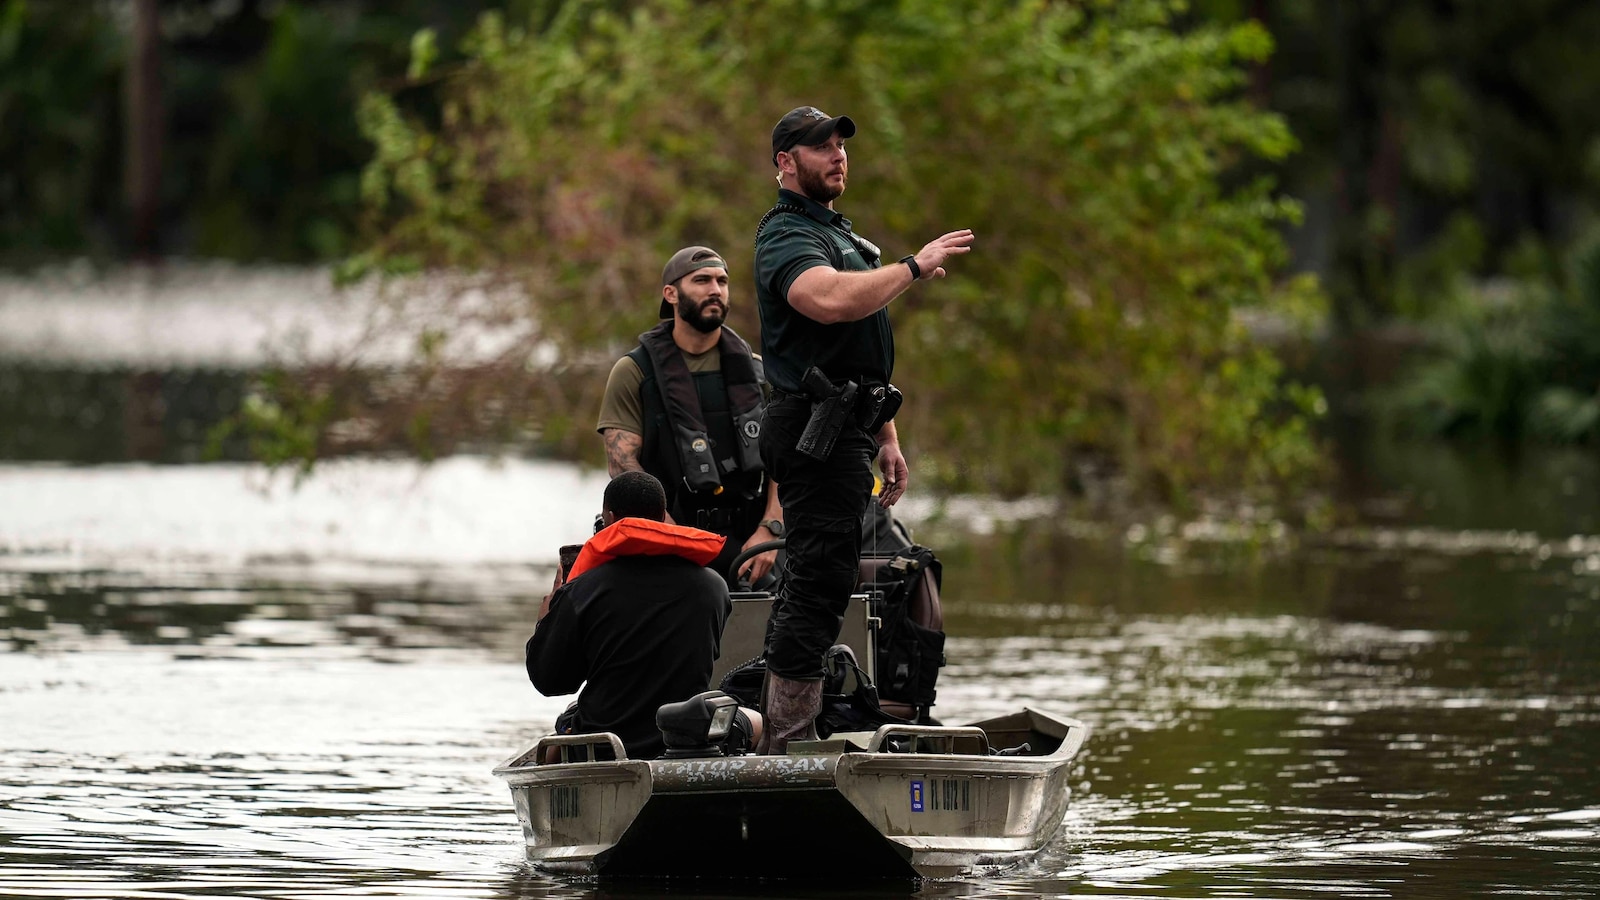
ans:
x=685 y=406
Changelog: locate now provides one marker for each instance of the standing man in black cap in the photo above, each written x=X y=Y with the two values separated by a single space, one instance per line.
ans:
x=822 y=293
x=685 y=406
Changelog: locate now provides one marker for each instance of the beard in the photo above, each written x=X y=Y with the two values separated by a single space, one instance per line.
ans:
x=698 y=317
x=813 y=185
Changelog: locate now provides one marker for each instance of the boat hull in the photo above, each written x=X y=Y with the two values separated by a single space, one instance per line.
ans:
x=905 y=802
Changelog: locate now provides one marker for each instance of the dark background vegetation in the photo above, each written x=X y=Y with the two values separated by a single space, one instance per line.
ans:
x=1448 y=163
x=1436 y=138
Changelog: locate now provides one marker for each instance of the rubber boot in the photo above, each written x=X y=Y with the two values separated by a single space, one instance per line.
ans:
x=790 y=707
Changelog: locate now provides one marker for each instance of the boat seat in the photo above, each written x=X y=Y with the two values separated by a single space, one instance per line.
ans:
x=553 y=749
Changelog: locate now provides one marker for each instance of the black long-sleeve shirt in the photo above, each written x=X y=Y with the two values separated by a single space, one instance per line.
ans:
x=634 y=633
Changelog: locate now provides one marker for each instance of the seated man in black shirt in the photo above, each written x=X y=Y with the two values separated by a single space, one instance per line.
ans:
x=638 y=622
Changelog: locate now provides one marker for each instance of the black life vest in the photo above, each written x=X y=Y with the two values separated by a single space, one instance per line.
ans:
x=702 y=430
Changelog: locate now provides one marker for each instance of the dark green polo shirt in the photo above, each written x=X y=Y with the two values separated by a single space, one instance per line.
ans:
x=791 y=243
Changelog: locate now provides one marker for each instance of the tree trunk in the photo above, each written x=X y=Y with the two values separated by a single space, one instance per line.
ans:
x=1366 y=181
x=145 y=115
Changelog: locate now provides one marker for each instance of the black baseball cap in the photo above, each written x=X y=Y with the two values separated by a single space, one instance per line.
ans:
x=682 y=263
x=807 y=126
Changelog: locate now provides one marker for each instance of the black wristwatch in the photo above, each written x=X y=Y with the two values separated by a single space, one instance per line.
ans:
x=911 y=263
x=774 y=526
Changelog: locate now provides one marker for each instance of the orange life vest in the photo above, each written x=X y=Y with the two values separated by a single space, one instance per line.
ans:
x=646 y=537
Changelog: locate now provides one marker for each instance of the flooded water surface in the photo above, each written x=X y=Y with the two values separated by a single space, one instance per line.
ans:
x=217 y=686
x=214 y=683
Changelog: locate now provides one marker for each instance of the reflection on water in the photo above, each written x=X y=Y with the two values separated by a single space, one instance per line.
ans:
x=279 y=775
x=235 y=699
x=216 y=619
x=1382 y=712
x=115 y=413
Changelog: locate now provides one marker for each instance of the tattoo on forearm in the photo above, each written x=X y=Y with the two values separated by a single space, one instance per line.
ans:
x=622 y=451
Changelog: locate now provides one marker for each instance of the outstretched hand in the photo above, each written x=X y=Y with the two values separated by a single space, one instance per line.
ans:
x=933 y=255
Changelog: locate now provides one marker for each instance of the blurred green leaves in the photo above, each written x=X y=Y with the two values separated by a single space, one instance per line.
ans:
x=1098 y=151
x=424 y=53
x=1521 y=363
x=283 y=422
x=262 y=153
x=60 y=77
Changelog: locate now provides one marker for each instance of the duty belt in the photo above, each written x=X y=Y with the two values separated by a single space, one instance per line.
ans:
x=719 y=521
x=834 y=405
x=860 y=401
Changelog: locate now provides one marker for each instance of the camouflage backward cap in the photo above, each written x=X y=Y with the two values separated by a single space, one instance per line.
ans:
x=682 y=263
x=807 y=126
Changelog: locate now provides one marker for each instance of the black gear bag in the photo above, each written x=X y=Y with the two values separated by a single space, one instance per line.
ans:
x=905 y=591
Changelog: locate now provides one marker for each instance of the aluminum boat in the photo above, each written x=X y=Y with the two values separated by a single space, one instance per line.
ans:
x=909 y=800
x=905 y=801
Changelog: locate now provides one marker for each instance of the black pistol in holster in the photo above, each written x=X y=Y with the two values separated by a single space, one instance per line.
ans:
x=831 y=408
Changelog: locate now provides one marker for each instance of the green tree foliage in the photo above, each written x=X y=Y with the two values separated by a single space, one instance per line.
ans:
x=59 y=77
x=1090 y=145
x=1523 y=366
x=262 y=155
x=1440 y=138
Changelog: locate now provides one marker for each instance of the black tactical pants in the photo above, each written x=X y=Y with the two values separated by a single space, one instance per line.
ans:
x=823 y=503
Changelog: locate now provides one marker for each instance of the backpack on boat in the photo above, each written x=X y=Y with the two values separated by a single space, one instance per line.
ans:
x=905 y=599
